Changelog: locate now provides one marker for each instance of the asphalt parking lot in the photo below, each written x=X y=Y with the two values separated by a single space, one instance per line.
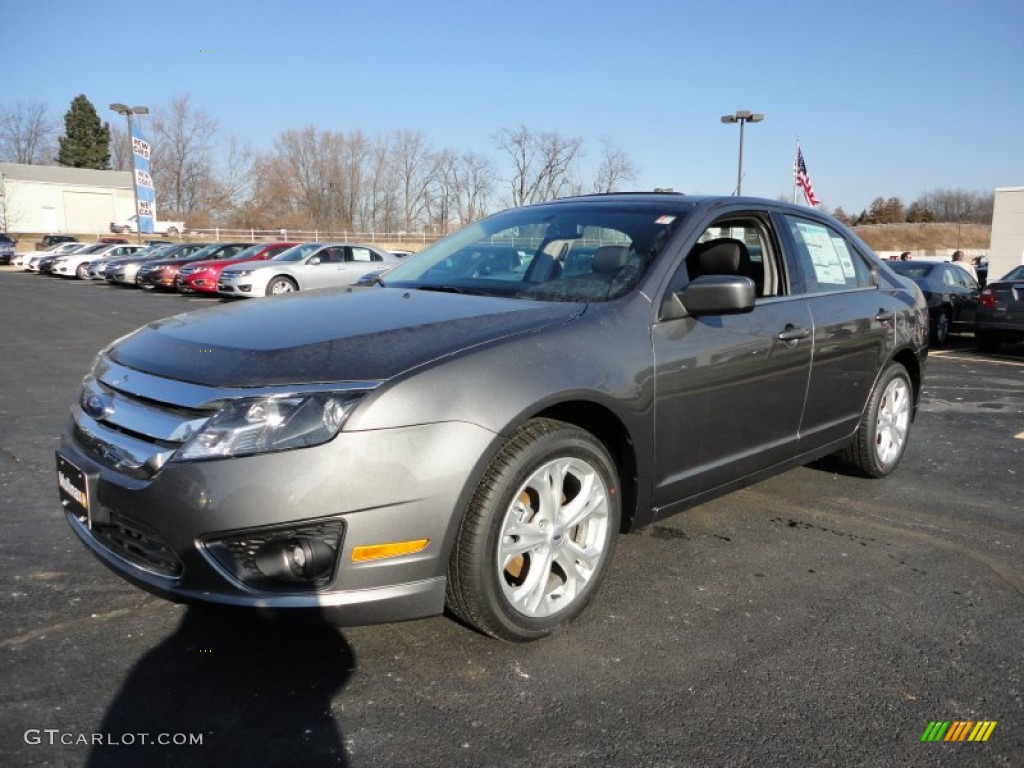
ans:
x=814 y=619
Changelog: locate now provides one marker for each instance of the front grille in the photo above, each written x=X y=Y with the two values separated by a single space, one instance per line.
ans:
x=133 y=422
x=140 y=545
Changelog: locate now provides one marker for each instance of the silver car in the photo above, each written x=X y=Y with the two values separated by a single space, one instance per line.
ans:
x=303 y=268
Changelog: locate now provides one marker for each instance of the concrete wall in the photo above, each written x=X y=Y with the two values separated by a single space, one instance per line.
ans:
x=1007 y=248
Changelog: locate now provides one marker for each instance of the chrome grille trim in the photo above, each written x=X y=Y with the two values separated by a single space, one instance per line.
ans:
x=128 y=454
x=135 y=422
x=141 y=418
x=200 y=398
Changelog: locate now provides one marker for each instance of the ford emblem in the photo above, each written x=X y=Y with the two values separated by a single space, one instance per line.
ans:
x=98 y=406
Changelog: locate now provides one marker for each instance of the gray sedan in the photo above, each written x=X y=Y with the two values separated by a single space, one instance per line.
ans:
x=475 y=433
x=302 y=268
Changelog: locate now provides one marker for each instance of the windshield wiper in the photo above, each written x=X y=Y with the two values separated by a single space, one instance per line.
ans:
x=441 y=288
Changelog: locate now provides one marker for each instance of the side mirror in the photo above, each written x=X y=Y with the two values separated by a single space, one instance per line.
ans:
x=314 y=261
x=711 y=295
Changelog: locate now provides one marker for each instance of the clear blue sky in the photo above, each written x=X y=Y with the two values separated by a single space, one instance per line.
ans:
x=888 y=98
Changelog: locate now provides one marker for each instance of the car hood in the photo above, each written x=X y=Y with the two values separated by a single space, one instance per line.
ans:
x=327 y=336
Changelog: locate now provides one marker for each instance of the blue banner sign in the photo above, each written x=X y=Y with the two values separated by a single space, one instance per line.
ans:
x=145 y=194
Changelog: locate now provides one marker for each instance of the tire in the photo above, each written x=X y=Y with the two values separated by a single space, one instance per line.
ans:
x=940 y=328
x=986 y=341
x=82 y=271
x=172 y=232
x=882 y=434
x=281 y=285
x=538 y=535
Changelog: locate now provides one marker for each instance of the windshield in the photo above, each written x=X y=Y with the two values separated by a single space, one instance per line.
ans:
x=1017 y=273
x=94 y=248
x=299 y=252
x=585 y=251
x=249 y=252
x=911 y=269
x=207 y=250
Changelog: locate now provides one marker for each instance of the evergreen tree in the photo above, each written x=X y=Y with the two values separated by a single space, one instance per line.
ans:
x=86 y=141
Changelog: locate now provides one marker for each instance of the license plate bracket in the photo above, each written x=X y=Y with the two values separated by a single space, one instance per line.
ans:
x=73 y=487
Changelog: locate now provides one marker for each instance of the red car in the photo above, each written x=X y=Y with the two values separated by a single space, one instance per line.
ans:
x=201 y=276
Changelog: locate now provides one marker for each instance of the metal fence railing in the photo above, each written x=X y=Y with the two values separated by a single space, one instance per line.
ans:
x=315 y=235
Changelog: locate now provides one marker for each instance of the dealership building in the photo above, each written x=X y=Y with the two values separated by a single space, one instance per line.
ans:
x=1007 y=248
x=52 y=199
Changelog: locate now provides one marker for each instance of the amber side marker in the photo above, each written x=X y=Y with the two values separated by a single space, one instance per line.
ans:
x=390 y=549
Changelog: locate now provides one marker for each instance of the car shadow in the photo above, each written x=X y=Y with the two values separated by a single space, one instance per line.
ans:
x=255 y=689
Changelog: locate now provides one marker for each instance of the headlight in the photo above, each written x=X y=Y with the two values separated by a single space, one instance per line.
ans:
x=265 y=424
x=238 y=273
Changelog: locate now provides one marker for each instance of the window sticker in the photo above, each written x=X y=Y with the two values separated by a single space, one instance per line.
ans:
x=829 y=266
x=844 y=257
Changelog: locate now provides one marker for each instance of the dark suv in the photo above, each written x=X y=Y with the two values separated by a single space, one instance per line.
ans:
x=49 y=241
x=7 y=244
x=476 y=431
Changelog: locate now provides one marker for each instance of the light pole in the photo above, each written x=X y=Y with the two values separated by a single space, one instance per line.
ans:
x=742 y=117
x=124 y=109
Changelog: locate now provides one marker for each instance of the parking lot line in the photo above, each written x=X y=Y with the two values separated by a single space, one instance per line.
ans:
x=995 y=360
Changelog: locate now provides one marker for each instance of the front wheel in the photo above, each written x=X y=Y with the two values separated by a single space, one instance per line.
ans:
x=172 y=232
x=882 y=435
x=539 y=533
x=82 y=272
x=280 y=285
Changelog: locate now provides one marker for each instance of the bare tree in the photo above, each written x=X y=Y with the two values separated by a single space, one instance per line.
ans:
x=27 y=133
x=120 y=149
x=959 y=205
x=474 y=175
x=416 y=165
x=616 y=168
x=543 y=164
x=183 y=140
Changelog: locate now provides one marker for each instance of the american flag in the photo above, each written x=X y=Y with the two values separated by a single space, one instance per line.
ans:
x=800 y=174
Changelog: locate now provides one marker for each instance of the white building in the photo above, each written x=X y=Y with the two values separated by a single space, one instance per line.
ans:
x=1007 y=246
x=51 y=199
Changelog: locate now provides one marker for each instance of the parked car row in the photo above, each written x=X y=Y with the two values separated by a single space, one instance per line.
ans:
x=231 y=269
x=957 y=303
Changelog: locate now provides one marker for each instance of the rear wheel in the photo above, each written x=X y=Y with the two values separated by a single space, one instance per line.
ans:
x=281 y=285
x=940 y=328
x=539 y=533
x=882 y=435
x=172 y=232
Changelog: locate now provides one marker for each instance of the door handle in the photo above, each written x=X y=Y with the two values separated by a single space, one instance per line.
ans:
x=792 y=333
x=885 y=317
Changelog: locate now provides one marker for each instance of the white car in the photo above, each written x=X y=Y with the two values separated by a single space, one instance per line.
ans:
x=97 y=267
x=77 y=264
x=302 y=268
x=22 y=259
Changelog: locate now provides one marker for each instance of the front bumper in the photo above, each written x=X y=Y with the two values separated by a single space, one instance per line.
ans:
x=381 y=486
x=238 y=288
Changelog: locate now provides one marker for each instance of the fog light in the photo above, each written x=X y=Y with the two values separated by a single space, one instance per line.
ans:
x=295 y=559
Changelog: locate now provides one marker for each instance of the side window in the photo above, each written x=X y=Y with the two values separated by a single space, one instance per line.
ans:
x=362 y=254
x=736 y=245
x=965 y=280
x=828 y=261
x=949 y=276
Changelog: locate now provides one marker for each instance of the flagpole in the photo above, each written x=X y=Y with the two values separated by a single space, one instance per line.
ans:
x=796 y=153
